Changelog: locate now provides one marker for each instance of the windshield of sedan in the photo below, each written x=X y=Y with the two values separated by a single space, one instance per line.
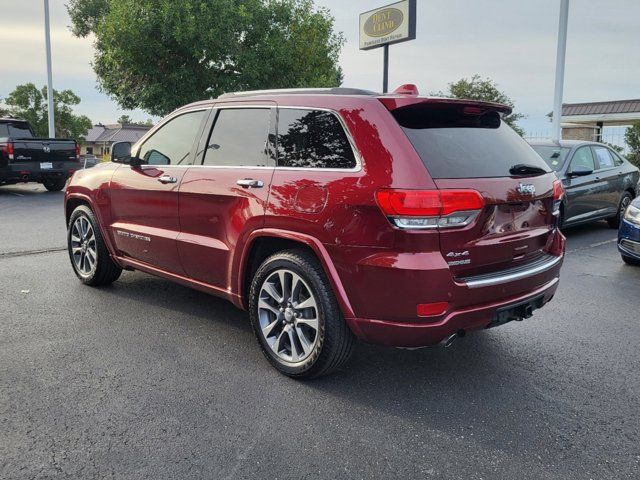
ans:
x=554 y=156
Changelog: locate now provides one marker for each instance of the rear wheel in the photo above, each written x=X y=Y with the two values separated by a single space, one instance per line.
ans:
x=54 y=185
x=296 y=317
x=89 y=256
x=631 y=261
x=614 y=222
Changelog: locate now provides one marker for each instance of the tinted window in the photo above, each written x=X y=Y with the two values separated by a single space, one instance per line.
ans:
x=239 y=138
x=455 y=141
x=15 y=130
x=312 y=139
x=582 y=158
x=604 y=158
x=554 y=156
x=171 y=144
x=616 y=158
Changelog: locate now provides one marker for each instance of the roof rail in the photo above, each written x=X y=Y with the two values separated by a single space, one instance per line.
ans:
x=300 y=91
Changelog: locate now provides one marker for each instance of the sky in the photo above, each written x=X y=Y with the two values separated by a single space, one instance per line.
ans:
x=512 y=42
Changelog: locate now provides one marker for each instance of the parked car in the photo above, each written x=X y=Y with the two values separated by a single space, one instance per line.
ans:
x=329 y=215
x=25 y=158
x=88 y=160
x=599 y=183
x=629 y=234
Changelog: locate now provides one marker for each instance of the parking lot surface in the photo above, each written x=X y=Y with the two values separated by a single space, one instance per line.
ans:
x=148 y=379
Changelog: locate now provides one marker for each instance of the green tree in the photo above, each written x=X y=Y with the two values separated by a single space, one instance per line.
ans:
x=486 y=90
x=160 y=54
x=126 y=120
x=29 y=103
x=632 y=139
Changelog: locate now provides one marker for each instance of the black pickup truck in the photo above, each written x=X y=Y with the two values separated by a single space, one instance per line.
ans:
x=25 y=158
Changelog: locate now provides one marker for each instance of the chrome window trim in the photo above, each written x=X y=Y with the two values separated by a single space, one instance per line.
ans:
x=354 y=149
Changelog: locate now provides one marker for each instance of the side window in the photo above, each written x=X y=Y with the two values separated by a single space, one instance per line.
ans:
x=583 y=158
x=239 y=138
x=171 y=144
x=604 y=158
x=312 y=139
x=616 y=158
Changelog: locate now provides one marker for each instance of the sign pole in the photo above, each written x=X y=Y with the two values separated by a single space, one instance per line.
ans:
x=556 y=132
x=385 y=71
x=47 y=39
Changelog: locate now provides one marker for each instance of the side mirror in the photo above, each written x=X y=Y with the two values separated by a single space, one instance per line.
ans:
x=121 y=152
x=580 y=171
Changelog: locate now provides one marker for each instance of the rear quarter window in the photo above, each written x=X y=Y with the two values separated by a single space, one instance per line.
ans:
x=456 y=144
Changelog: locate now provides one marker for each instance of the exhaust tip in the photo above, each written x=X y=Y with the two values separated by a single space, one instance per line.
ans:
x=447 y=342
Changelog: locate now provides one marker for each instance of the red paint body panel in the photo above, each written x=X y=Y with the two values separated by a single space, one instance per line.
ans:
x=202 y=228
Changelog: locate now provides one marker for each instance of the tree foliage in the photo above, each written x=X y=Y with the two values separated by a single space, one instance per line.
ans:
x=160 y=54
x=632 y=139
x=126 y=120
x=486 y=90
x=30 y=103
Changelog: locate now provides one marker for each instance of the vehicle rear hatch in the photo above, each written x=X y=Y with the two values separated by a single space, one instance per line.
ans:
x=466 y=145
x=44 y=150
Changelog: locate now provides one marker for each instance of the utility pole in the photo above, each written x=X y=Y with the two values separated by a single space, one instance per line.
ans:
x=47 y=38
x=556 y=132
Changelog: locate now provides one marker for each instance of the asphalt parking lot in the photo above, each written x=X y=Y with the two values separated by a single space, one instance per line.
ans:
x=148 y=379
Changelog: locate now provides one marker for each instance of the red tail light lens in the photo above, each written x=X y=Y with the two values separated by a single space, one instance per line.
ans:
x=429 y=208
x=77 y=150
x=9 y=150
x=431 y=309
x=558 y=190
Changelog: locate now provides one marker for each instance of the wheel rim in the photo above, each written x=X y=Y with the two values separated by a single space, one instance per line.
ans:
x=83 y=246
x=288 y=316
x=624 y=204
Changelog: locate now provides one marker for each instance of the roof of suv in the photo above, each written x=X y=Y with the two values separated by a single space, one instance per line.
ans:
x=401 y=97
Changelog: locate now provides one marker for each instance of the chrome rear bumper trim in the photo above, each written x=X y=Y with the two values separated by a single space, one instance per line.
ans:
x=513 y=274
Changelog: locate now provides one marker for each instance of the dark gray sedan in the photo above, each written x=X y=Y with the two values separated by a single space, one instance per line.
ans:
x=600 y=184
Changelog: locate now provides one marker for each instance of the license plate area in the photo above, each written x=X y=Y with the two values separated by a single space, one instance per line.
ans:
x=516 y=311
x=46 y=166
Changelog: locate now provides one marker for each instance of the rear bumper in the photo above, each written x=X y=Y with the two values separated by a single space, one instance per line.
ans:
x=423 y=333
x=30 y=172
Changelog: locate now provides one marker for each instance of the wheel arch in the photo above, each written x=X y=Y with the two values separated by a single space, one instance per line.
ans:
x=263 y=243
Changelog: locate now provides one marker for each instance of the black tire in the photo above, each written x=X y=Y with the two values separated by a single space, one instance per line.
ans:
x=105 y=270
x=334 y=342
x=614 y=222
x=54 y=185
x=631 y=261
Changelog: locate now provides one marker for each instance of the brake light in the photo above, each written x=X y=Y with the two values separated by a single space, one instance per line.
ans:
x=9 y=150
x=430 y=208
x=77 y=150
x=558 y=190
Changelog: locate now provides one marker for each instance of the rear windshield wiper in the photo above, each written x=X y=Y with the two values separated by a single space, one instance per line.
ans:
x=524 y=169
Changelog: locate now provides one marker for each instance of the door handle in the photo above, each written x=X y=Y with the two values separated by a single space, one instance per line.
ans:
x=167 y=179
x=250 y=183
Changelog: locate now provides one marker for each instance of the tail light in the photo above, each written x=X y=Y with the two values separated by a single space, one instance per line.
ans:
x=9 y=150
x=77 y=151
x=558 y=195
x=422 y=209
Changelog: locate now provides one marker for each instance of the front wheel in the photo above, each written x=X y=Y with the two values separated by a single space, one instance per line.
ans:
x=614 y=222
x=296 y=317
x=54 y=185
x=89 y=256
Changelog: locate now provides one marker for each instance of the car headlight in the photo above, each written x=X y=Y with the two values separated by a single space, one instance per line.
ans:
x=632 y=214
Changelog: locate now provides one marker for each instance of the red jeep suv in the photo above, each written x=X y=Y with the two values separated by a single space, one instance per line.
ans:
x=330 y=214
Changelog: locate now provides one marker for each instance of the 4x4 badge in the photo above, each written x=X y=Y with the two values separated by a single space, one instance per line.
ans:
x=526 y=188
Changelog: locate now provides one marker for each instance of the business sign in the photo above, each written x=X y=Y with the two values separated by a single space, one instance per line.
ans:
x=393 y=23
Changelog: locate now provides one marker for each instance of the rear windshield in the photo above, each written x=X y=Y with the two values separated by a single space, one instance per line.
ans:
x=457 y=141
x=15 y=130
x=554 y=156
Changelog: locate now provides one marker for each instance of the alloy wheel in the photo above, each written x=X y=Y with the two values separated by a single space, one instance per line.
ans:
x=288 y=316
x=83 y=246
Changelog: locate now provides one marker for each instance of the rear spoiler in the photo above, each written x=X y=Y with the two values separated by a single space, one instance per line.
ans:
x=394 y=102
